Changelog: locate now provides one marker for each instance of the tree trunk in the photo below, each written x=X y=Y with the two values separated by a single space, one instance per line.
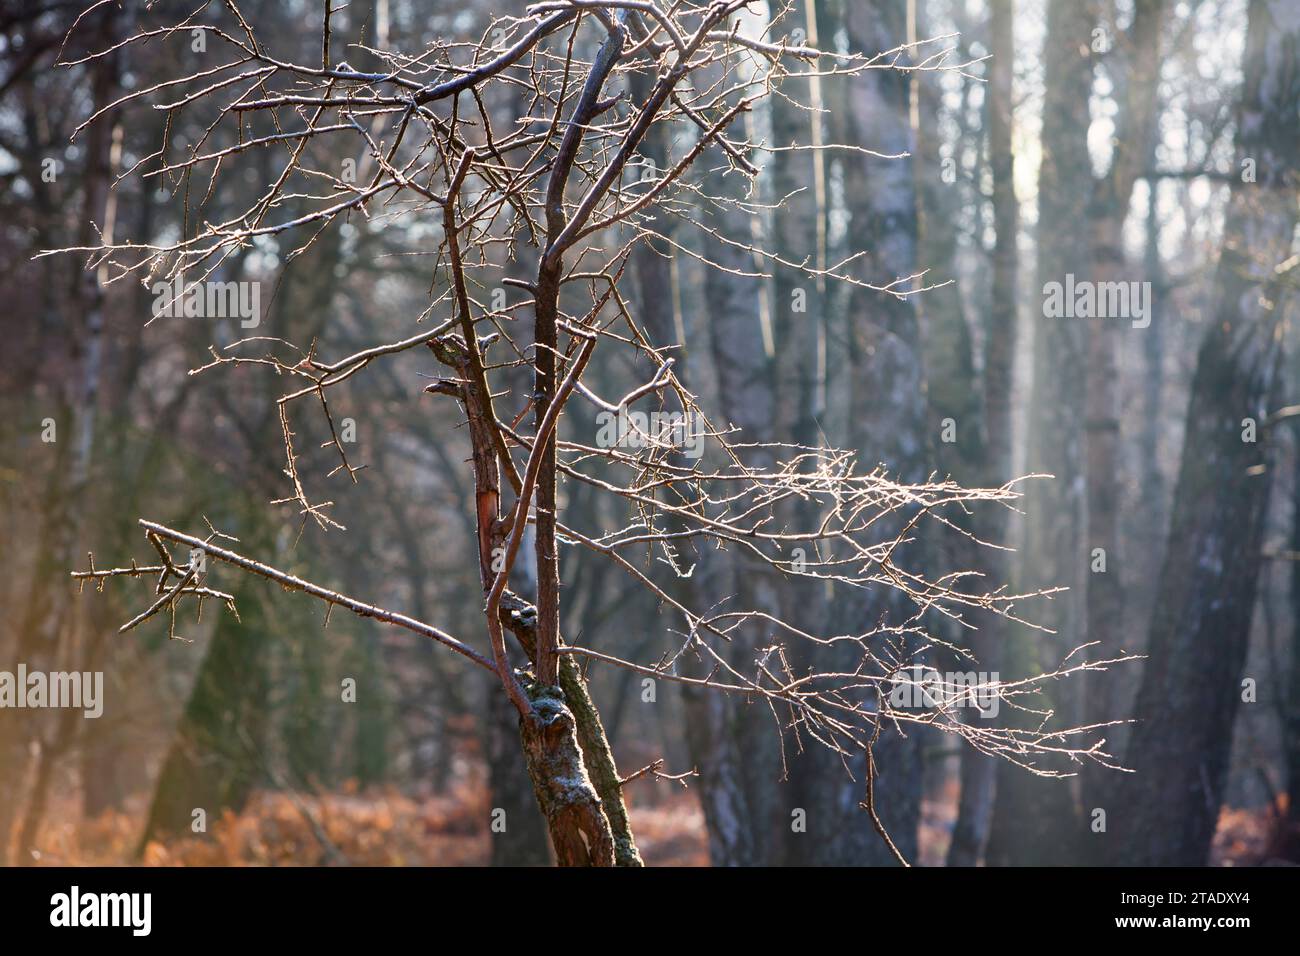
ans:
x=732 y=741
x=1032 y=813
x=73 y=502
x=1168 y=809
x=213 y=762
x=579 y=830
x=885 y=423
x=1291 y=712
x=1104 y=477
x=979 y=771
x=524 y=840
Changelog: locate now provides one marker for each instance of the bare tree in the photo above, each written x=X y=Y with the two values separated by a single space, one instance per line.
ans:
x=569 y=178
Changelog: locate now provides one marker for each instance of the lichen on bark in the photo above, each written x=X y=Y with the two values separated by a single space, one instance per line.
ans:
x=579 y=829
x=519 y=618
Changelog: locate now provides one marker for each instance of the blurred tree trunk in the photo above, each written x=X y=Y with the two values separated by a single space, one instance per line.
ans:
x=798 y=234
x=800 y=314
x=1107 y=214
x=60 y=638
x=657 y=273
x=108 y=772
x=1151 y=520
x=307 y=720
x=732 y=740
x=955 y=430
x=307 y=294
x=1190 y=688
x=214 y=759
x=978 y=771
x=373 y=718
x=1032 y=812
x=212 y=764
x=652 y=259
x=885 y=422
x=524 y=841
x=1291 y=708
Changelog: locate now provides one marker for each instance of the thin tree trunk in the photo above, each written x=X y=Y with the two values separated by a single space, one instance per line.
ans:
x=75 y=508
x=978 y=771
x=800 y=321
x=1104 y=476
x=733 y=741
x=1031 y=813
x=886 y=422
x=1291 y=712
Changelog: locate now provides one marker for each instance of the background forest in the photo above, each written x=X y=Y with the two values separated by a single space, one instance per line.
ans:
x=1152 y=143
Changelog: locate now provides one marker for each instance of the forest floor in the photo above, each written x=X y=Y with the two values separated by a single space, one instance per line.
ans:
x=371 y=828
x=389 y=828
